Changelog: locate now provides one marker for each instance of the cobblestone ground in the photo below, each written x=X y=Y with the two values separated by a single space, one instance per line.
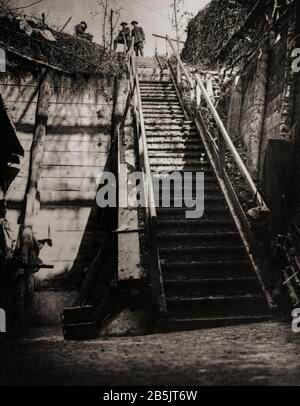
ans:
x=259 y=354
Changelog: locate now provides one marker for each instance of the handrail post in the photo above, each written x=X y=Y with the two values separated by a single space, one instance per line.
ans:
x=222 y=149
x=178 y=73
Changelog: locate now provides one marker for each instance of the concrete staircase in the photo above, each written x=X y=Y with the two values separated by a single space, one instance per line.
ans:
x=208 y=278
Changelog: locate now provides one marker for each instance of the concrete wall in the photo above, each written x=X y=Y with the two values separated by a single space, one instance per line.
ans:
x=76 y=150
x=274 y=97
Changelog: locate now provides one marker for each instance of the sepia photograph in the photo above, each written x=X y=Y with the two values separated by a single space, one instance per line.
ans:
x=149 y=201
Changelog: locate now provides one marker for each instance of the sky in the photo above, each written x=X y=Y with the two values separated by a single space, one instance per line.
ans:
x=155 y=16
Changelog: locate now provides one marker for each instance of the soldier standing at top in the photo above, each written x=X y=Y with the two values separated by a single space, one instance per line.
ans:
x=139 y=38
x=124 y=37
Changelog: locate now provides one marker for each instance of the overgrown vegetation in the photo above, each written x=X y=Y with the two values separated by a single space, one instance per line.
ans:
x=67 y=54
x=227 y=32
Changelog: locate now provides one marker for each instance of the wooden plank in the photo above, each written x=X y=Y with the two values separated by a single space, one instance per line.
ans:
x=81 y=198
x=20 y=100
x=60 y=184
x=13 y=218
x=71 y=146
x=67 y=246
x=63 y=267
x=78 y=136
x=65 y=219
x=10 y=80
x=66 y=171
x=72 y=171
x=71 y=159
x=22 y=112
x=58 y=219
x=64 y=115
x=14 y=94
x=75 y=158
x=76 y=121
x=79 y=109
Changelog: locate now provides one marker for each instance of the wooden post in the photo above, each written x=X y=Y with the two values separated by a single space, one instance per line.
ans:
x=258 y=115
x=222 y=151
x=235 y=107
x=37 y=148
x=27 y=249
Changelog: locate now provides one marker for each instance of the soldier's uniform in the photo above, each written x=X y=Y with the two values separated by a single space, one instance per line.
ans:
x=80 y=32
x=124 y=37
x=139 y=38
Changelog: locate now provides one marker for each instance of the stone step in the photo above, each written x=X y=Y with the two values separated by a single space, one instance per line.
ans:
x=165 y=140
x=195 y=226
x=192 y=239
x=187 y=254
x=160 y=98
x=167 y=121
x=171 y=155
x=173 y=128
x=165 y=112
x=158 y=82
x=211 y=212
x=164 y=116
x=177 y=167
x=218 y=306
x=177 y=115
x=174 y=148
x=167 y=135
x=158 y=90
x=163 y=176
x=166 y=95
x=159 y=95
x=178 y=209
x=206 y=269
x=207 y=276
x=190 y=324
x=183 y=159
x=211 y=287
x=163 y=103
x=209 y=191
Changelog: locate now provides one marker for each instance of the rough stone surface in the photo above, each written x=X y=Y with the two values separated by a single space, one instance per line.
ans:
x=259 y=354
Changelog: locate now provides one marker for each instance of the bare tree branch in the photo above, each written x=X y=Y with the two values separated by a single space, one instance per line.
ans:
x=27 y=6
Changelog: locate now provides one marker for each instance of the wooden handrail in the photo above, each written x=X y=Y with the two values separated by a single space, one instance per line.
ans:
x=166 y=37
x=229 y=143
x=157 y=280
x=147 y=168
